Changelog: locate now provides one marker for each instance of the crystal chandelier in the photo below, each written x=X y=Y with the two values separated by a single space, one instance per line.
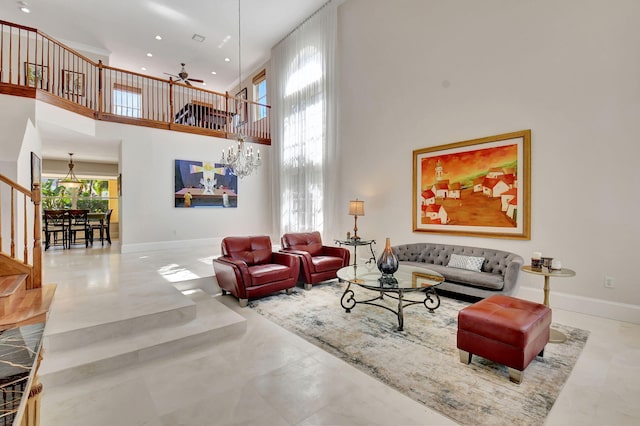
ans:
x=241 y=160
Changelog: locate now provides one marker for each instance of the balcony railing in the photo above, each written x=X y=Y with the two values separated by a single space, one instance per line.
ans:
x=33 y=64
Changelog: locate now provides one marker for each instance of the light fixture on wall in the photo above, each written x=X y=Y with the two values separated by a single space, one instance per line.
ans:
x=356 y=208
x=240 y=159
x=70 y=181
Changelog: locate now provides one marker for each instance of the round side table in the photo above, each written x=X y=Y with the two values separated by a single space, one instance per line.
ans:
x=556 y=336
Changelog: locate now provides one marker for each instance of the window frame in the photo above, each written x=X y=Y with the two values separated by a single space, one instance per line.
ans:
x=259 y=107
x=123 y=107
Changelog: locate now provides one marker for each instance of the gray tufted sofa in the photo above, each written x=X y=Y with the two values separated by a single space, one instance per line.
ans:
x=499 y=271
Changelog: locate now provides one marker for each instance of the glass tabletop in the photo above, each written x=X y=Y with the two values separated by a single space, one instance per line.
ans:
x=356 y=242
x=408 y=278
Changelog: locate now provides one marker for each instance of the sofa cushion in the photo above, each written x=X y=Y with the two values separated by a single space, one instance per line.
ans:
x=267 y=273
x=252 y=250
x=463 y=276
x=473 y=278
x=310 y=242
x=471 y=263
x=326 y=263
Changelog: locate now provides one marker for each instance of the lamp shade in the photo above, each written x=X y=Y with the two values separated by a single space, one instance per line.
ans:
x=70 y=181
x=356 y=208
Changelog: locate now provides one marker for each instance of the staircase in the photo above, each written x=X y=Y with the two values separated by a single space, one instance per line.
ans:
x=184 y=323
x=23 y=298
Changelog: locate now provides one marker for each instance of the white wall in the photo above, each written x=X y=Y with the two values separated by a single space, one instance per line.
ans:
x=416 y=73
x=148 y=218
x=15 y=113
x=30 y=143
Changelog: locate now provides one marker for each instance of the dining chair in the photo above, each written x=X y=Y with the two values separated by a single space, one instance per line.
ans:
x=78 y=224
x=55 y=226
x=104 y=226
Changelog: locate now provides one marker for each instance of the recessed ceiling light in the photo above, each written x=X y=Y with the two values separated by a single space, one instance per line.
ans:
x=158 y=37
x=204 y=84
x=224 y=41
x=227 y=60
x=149 y=54
x=213 y=72
x=143 y=69
x=24 y=6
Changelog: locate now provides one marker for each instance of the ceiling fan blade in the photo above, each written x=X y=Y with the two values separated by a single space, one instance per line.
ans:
x=187 y=83
x=196 y=80
x=172 y=75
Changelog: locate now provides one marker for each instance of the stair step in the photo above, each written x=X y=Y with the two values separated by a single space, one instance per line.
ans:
x=81 y=337
x=212 y=322
x=31 y=307
x=79 y=320
x=11 y=289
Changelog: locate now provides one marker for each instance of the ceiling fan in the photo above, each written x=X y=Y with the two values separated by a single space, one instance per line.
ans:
x=183 y=76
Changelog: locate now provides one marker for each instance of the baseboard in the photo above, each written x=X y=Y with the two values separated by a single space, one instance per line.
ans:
x=167 y=245
x=585 y=305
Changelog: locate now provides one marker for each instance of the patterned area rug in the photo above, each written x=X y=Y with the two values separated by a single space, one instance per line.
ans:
x=422 y=361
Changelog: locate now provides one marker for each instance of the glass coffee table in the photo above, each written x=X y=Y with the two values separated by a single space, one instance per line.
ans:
x=407 y=279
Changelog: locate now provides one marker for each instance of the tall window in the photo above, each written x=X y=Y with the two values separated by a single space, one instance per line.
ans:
x=260 y=95
x=302 y=148
x=304 y=125
x=127 y=100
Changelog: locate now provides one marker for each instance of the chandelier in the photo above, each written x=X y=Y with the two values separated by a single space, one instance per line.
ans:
x=70 y=181
x=241 y=160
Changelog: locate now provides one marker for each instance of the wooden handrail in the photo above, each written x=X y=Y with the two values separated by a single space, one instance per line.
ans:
x=15 y=185
x=23 y=265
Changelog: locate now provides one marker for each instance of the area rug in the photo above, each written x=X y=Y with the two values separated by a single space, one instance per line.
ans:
x=422 y=361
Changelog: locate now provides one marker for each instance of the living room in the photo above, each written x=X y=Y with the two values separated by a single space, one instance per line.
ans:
x=454 y=72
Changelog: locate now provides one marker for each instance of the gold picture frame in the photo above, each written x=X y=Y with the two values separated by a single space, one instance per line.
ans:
x=73 y=83
x=36 y=171
x=36 y=75
x=479 y=187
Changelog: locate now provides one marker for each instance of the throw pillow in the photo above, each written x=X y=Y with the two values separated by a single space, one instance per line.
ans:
x=470 y=263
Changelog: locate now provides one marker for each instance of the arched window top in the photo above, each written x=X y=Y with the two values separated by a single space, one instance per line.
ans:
x=308 y=70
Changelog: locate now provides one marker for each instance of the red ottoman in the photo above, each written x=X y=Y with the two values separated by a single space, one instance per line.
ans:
x=506 y=330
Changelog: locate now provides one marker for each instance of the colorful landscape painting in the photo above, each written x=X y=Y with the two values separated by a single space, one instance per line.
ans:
x=474 y=187
x=204 y=184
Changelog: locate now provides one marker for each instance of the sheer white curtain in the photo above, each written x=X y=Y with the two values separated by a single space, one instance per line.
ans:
x=304 y=125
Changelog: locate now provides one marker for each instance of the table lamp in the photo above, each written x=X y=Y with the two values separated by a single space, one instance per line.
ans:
x=356 y=208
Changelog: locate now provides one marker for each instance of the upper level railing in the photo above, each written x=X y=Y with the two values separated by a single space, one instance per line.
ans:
x=35 y=65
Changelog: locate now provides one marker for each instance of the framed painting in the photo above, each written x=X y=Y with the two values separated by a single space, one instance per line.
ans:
x=204 y=184
x=73 y=83
x=479 y=187
x=242 y=109
x=36 y=75
x=36 y=171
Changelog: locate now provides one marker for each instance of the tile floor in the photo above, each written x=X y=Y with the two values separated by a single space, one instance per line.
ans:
x=268 y=376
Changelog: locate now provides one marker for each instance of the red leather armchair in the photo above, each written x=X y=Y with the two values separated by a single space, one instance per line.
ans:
x=318 y=263
x=248 y=268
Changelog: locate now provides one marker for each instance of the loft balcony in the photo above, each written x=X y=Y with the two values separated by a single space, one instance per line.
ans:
x=34 y=65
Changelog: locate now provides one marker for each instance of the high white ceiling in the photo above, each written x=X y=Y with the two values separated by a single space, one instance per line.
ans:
x=125 y=31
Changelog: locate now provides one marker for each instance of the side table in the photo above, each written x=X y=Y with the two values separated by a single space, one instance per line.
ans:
x=355 y=244
x=556 y=335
